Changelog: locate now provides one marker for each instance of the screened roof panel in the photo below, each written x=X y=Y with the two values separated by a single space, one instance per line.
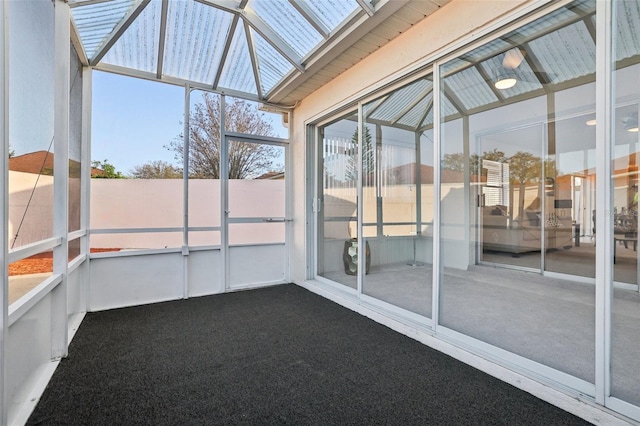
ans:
x=188 y=40
x=394 y=105
x=628 y=36
x=237 y=73
x=471 y=88
x=137 y=48
x=96 y=21
x=487 y=50
x=331 y=12
x=271 y=64
x=195 y=40
x=286 y=21
x=413 y=117
x=545 y=24
x=567 y=53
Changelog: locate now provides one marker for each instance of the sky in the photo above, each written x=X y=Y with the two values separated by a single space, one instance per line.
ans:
x=133 y=120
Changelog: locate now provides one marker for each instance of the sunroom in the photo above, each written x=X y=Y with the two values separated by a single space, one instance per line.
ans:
x=462 y=172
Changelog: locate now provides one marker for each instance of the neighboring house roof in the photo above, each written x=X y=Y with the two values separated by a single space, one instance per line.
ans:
x=41 y=162
x=38 y=162
x=272 y=176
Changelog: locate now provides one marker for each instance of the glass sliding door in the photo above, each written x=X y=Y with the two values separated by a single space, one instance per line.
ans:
x=507 y=176
x=625 y=323
x=397 y=174
x=337 y=201
x=517 y=163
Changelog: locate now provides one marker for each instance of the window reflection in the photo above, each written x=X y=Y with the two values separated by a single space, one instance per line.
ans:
x=518 y=175
x=625 y=343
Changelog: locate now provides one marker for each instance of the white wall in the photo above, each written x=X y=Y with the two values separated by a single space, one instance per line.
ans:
x=158 y=203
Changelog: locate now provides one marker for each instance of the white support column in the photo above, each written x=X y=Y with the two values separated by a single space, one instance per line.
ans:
x=85 y=179
x=437 y=200
x=362 y=246
x=185 y=186
x=59 y=329
x=4 y=205
x=224 y=197
x=604 y=199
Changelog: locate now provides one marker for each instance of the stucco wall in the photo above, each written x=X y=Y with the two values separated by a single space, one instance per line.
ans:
x=458 y=21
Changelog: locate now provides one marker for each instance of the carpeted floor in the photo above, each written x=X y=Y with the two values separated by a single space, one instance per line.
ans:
x=279 y=355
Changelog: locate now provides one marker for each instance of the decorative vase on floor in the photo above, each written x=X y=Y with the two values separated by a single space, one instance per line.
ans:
x=350 y=257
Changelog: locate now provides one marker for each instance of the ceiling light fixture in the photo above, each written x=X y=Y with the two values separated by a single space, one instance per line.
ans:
x=591 y=122
x=505 y=79
x=513 y=58
x=631 y=123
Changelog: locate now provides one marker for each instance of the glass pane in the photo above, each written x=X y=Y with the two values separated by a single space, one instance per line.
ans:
x=27 y=273
x=625 y=341
x=399 y=270
x=516 y=191
x=31 y=94
x=572 y=169
x=337 y=219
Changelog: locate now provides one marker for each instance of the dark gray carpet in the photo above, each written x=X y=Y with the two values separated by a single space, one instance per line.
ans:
x=280 y=355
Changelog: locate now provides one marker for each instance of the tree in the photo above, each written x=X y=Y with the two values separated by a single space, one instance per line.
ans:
x=105 y=170
x=156 y=170
x=524 y=167
x=456 y=162
x=368 y=159
x=246 y=160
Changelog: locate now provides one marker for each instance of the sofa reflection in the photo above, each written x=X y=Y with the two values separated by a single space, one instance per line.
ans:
x=512 y=235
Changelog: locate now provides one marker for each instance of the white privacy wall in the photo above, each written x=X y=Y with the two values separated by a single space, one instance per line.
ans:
x=158 y=203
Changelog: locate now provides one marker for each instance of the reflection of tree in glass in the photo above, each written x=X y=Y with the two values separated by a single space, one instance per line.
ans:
x=368 y=159
x=524 y=168
x=246 y=160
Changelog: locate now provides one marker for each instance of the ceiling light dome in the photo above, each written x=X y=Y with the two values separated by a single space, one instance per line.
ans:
x=505 y=79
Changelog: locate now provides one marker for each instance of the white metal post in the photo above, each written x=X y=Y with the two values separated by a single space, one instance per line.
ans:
x=604 y=198
x=362 y=246
x=85 y=181
x=224 y=195
x=185 y=186
x=288 y=199
x=4 y=204
x=59 y=329
x=437 y=201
